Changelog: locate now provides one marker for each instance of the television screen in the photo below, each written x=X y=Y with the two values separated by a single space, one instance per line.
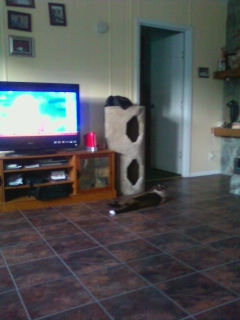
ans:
x=36 y=116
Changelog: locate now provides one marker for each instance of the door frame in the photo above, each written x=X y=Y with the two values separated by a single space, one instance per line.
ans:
x=187 y=85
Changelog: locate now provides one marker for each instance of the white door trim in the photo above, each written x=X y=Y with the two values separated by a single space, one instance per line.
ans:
x=187 y=91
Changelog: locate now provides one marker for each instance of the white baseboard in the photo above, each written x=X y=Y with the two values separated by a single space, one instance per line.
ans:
x=204 y=173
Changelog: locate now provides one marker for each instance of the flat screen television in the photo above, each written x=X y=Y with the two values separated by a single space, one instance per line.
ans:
x=38 y=118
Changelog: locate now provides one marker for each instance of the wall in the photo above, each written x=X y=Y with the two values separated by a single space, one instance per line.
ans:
x=104 y=64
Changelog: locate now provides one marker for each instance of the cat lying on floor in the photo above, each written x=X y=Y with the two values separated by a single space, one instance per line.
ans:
x=154 y=197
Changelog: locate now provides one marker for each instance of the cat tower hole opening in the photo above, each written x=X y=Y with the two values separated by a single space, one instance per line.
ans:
x=132 y=129
x=133 y=172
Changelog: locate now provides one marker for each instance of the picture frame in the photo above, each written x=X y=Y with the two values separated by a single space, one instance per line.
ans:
x=21 y=3
x=231 y=61
x=21 y=46
x=203 y=72
x=19 y=21
x=57 y=14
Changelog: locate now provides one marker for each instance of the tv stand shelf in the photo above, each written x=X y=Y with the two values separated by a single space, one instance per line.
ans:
x=91 y=176
x=44 y=184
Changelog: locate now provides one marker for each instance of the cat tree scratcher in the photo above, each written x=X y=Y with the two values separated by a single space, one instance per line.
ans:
x=124 y=133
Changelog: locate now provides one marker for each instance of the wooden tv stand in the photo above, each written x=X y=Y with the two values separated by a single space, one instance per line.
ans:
x=91 y=176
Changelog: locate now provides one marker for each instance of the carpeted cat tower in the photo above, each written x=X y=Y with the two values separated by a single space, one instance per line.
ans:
x=124 y=133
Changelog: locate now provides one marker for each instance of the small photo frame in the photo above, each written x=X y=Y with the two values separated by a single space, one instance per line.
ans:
x=203 y=72
x=231 y=61
x=19 y=21
x=21 y=46
x=57 y=14
x=21 y=3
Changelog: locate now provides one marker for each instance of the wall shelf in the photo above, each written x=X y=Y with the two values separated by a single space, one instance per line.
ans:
x=226 y=132
x=227 y=74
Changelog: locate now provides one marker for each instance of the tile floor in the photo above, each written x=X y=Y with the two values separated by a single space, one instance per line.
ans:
x=177 y=261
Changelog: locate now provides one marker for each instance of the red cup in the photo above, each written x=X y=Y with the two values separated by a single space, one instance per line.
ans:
x=90 y=140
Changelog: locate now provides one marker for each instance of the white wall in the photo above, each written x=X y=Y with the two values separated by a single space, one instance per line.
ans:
x=104 y=64
x=209 y=23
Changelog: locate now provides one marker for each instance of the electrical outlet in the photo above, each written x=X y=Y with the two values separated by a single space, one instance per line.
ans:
x=211 y=156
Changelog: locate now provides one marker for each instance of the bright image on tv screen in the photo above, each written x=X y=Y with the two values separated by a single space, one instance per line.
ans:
x=37 y=113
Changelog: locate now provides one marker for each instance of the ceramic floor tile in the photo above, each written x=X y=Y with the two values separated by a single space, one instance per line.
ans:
x=229 y=201
x=180 y=207
x=172 y=241
x=72 y=243
x=54 y=296
x=196 y=293
x=231 y=226
x=39 y=211
x=160 y=268
x=181 y=222
x=46 y=219
x=14 y=215
x=2 y=263
x=34 y=272
x=11 y=307
x=129 y=218
x=148 y=228
x=18 y=237
x=207 y=216
x=88 y=312
x=27 y=252
x=95 y=224
x=73 y=207
x=213 y=204
x=191 y=211
x=78 y=215
x=89 y=260
x=229 y=246
x=6 y=283
x=230 y=311
x=146 y=303
x=132 y=250
x=201 y=257
x=228 y=275
x=112 y=235
x=58 y=230
x=97 y=204
x=158 y=213
x=205 y=233
x=224 y=206
x=12 y=222
x=111 y=281
x=155 y=244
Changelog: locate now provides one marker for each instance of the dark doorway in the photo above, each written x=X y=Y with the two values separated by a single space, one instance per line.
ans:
x=149 y=35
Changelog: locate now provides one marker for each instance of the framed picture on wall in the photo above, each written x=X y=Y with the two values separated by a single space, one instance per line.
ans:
x=21 y=46
x=57 y=14
x=19 y=21
x=203 y=72
x=20 y=3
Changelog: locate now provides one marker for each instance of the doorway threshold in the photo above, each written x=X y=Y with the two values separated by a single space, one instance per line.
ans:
x=153 y=174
